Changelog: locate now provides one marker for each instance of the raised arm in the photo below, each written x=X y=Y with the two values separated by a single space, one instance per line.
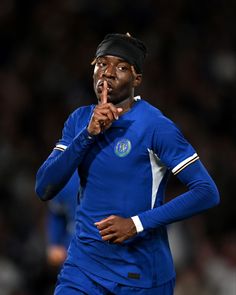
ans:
x=60 y=165
x=65 y=158
x=69 y=152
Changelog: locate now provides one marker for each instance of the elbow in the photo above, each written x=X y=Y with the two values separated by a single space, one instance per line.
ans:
x=38 y=190
x=40 y=193
x=44 y=196
x=44 y=193
x=39 y=187
x=208 y=195
x=213 y=195
x=216 y=198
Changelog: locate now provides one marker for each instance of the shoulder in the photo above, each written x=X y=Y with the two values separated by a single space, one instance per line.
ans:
x=77 y=119
x=81 y=112
x=79 y=115
x=155 y=117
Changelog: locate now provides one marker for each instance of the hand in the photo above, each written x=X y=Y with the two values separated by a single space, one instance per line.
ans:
x=103 y=115
x=116 y=229
x=56 y=255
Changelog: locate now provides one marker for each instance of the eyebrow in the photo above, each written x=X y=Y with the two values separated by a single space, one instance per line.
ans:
x=107 y=57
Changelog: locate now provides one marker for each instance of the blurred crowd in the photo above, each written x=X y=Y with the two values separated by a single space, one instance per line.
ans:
x=190 y=74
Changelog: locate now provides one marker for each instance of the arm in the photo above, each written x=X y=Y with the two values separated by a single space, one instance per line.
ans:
x=201 y=195
x=60 y=165
x=68 y=154
x=179 y=156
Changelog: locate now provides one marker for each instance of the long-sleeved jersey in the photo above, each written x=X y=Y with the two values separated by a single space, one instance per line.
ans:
x=124 y=171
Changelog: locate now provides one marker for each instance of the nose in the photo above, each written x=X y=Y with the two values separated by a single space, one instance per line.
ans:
x=109 y=71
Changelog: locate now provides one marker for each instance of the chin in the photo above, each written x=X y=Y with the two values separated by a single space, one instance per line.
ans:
x=110 y=99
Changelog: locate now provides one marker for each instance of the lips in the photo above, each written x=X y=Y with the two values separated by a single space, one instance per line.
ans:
x=100 y=86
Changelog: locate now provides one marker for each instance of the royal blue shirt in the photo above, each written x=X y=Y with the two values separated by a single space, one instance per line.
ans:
x=124 y=171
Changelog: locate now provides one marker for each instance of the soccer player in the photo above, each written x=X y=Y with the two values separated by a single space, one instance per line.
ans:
x=124 y=150
x=61 y=221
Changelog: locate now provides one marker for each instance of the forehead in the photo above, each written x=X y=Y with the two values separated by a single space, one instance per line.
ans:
x=112 y=58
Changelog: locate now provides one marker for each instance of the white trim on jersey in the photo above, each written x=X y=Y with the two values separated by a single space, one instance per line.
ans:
x=185 y=163
x=137 y=223
x=60 y=147
x=138 y=97
x=158 y=172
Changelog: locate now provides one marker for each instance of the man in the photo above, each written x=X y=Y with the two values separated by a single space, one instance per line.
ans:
x=124 y=150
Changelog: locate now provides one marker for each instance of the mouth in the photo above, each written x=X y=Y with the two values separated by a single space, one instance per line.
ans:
x=100 y=86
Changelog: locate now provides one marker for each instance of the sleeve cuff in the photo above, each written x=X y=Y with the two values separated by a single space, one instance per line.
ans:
x=138 y=224
x=88 y=135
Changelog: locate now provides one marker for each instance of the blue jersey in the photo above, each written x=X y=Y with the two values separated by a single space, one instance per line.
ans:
x=124 y=171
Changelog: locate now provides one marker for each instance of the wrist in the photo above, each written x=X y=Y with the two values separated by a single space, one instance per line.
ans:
x=137 y=223
x=90 y=135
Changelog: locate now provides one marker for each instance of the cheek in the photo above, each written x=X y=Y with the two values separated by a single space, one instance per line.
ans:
x=124 y=90
x=126 y=84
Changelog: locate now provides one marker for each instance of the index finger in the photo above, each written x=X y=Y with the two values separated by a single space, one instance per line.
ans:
x=104 y=93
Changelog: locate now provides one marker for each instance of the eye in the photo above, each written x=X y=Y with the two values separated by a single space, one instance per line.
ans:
x=122 y=68
x=100 y=64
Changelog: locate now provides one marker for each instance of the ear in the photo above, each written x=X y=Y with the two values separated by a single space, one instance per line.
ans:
x=137 y=80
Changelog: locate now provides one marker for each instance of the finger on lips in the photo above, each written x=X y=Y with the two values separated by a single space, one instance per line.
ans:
x=104 y=113
x=104 y=93
x=114 y=110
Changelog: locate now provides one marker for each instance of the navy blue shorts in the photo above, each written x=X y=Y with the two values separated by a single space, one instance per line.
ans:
x=73 y=281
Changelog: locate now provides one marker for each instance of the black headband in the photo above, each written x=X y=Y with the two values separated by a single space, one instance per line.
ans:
x=126 y=47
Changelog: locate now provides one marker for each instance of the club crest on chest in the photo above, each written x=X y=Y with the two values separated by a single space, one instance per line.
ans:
x=122 y=147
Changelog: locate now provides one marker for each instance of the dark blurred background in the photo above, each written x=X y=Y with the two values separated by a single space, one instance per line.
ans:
x=190 y=74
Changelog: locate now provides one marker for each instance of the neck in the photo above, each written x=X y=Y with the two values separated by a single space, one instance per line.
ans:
x=126 y=104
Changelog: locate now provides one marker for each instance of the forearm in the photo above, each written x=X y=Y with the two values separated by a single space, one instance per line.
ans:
x=59 y=167
x=201 y=195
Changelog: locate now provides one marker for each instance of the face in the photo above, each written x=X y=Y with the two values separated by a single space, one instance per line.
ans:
x=120 y=76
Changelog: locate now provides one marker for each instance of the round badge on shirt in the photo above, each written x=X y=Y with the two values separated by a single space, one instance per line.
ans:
x=123 y=147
